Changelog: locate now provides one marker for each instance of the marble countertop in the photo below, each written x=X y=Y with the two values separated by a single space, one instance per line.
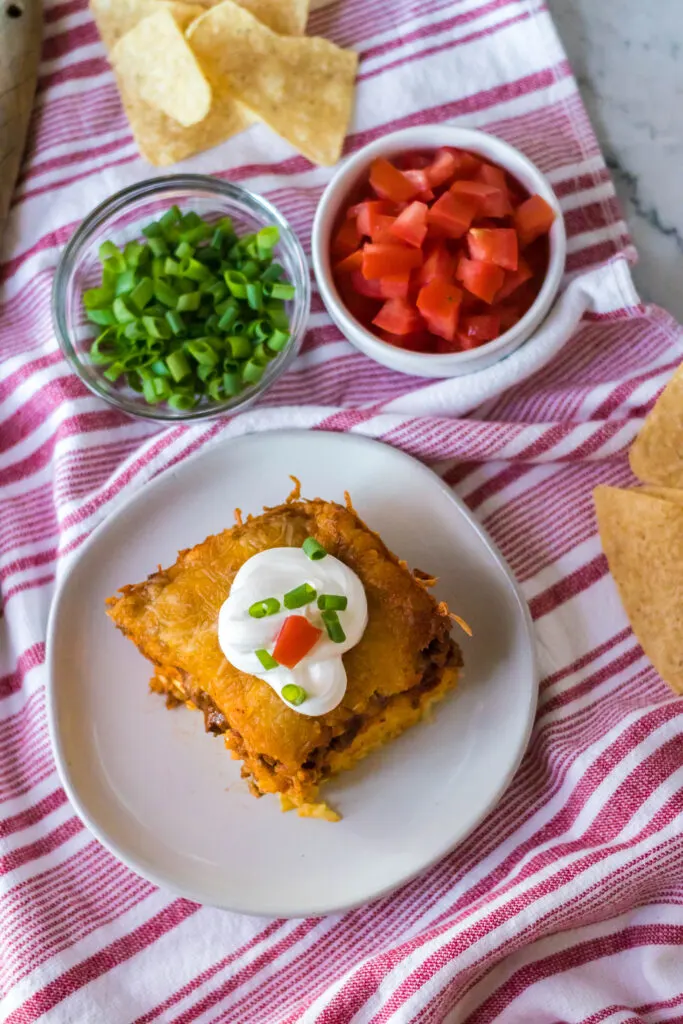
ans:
x=628 y=58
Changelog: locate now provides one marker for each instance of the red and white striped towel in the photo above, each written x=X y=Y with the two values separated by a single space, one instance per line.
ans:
x=566 y=904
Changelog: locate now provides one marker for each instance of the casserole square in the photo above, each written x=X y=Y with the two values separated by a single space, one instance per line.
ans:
x=404 y=663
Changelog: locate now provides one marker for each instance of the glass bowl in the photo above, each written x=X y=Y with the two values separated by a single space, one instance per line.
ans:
x=120 y=219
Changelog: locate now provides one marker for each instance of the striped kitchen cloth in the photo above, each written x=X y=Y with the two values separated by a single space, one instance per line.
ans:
x=566 y=904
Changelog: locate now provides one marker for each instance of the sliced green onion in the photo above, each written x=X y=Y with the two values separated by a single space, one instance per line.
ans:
x=255 y=295
x=332 y=602
x=164 y=294
x=278 y=340
x=158 y=246
x=252 y=372
x=142 y=294
x=300 y=596
x=202 y=352
x=294 y=694
x=237 y=283
x=273 y=273
x=266 y=659
x=102 y=317
x=182 y=402
x=282 y=291
x=178 y=365
x=94 y=298
x=232 y=384
x=333 y=626
x=313 y=549
x=260 y=609
x=171 y=217
x=175 y=321
x=135 y=254
x=125 y=282
x=240 y=347
x=188 y=303
x=121 y=311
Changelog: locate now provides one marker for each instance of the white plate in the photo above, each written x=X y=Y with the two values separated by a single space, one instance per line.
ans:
x=167 y=799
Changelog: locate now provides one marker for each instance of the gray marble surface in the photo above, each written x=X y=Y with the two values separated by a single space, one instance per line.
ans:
x=628 y=58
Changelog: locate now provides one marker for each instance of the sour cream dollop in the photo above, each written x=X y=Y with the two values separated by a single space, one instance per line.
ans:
x=273 y=573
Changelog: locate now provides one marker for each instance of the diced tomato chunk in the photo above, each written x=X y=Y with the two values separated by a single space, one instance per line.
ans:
x=442 y=167
x=481 y=279
x=381 y=260
x=439 y=263
x=418 y=176
x=381 y=228
x=412 y=160
x=492 y=176
x=295 y=640
x=439 y=303
x=451 y=215
x=479 y=329
x=515 y=278
x=411 y=224
x=353 y=261
x=390 y=183
x=372 y=289
x=397 y=316
x=494 y=245
x=467 y=164
x=418 y=341
x=346 y=240
x=491 y=200
x=395 y=286
x=368 y=212
x=533 y=218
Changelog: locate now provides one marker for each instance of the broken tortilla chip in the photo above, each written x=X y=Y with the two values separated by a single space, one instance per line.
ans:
x=155 y=63
x=301 y=87
x=673 y=494
x=642 y=537
x=286 y=17
x=656 y=455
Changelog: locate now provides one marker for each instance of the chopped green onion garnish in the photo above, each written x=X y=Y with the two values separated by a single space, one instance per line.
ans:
x=260 y=609
x=189 y=312
x=332 y=602
x=314 y=550
x=266 y=659
x=300 y=596
x=294 y=694
x=333 y=627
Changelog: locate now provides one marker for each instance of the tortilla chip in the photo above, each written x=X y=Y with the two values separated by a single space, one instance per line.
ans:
x=155 y=63
x=673 y=494
x=163 y=141
x=286 y=17
x=116 y=17
x=657 y=453
x=301 y=87
x=642 y=537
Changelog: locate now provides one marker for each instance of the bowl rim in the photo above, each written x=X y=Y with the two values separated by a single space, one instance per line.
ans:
x=201 y=183
x=427 y=137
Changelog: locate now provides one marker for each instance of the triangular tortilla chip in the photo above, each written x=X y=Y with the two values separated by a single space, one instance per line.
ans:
x=642 y=537
x=154 y=62
x=301 y=87
x=657 y=453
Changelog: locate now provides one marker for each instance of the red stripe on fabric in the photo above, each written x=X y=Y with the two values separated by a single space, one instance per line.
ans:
x=46 y=844
x=21 y=588
x=451 y=44
x=32 y=815
x=246 y=973
x=31 y=658
x=43 y=189
x=111 y=956
x=210 y=972
x=351 y=997
x=569 y=587
x=62 y=43
x=81 y=423
x=73 y=73
x=573 y=957
x=607 y=826
x=59 y=11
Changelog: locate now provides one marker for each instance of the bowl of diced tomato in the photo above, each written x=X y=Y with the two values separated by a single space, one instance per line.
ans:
x=438 y=250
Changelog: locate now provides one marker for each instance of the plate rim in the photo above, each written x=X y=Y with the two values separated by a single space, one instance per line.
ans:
x=160 y=879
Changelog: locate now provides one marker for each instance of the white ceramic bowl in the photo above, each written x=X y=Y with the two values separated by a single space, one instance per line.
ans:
x=451 y=364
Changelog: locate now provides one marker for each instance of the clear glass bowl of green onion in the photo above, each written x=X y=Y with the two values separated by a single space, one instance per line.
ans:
x=181 y=298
